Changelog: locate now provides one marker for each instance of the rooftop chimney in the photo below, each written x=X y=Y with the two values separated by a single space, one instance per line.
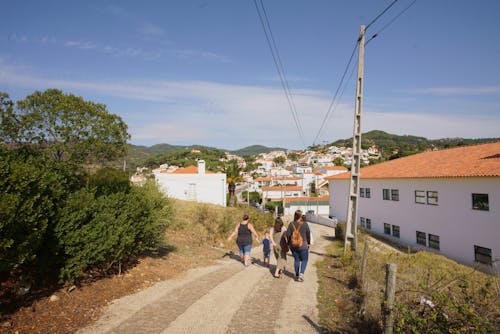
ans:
x=201 y=167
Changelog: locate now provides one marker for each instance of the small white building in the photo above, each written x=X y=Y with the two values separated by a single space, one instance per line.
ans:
x=278 y=192
x=444 y=201
x=193 y=184
x=314 y=205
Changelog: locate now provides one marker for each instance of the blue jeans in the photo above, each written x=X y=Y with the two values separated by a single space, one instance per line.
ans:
x=300 y=256
x=245 y=250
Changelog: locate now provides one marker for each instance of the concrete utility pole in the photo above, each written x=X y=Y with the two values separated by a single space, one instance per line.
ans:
x=351 y=233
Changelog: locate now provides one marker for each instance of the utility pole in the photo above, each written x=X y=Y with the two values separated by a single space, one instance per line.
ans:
x=351 y=232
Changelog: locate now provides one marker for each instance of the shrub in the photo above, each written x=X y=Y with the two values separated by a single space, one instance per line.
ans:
x=108 y=181
x=29 y=201
x=104 y=230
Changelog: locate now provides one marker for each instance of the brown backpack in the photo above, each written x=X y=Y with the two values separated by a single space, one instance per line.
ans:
x=296 y=239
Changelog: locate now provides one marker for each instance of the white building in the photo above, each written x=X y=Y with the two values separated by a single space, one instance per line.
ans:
x=444 y=201
x=301 y=168
x=333 y=170
x=315 y=205
x=193 y=184
x=278 y=192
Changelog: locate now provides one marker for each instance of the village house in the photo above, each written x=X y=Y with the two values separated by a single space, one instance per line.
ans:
x=444 y=201
x=193 y=183
x=278 y=192
x=315 y=205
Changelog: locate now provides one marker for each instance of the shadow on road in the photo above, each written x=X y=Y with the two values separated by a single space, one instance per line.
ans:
x=316 y=327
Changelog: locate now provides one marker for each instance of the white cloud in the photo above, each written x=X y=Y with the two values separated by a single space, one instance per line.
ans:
x=234 y=116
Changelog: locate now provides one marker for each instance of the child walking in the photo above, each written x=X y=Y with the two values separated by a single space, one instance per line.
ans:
x=266 y=248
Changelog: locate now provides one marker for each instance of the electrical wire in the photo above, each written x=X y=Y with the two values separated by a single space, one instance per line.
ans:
x=379 y=15
x=334 y=99
x=264 y=20
x=391 y=21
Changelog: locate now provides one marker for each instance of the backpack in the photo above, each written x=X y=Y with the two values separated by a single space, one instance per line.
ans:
x=296 y=239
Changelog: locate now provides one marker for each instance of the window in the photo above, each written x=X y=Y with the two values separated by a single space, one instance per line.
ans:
x=365 y=192
x=434 y=241
x=387 y=228
x=386 y=195
x=420 y=196
x=480 y=202
x=432 y=197
x=395 y=231
x=395 y=194
x=421 y=238
x=390 y=194
x=482 y=255
x=368 y=223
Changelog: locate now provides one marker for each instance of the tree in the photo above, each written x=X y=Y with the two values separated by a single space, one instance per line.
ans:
x=64 y=126
x=232 y=171
x=279 y=160
x=338 y=161
x=293 y=156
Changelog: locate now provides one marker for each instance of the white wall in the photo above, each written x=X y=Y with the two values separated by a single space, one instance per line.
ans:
x=458 y=226
x=290 y=208
x=208 y=188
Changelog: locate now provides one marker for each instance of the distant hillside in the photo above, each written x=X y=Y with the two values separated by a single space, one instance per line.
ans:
x=160 y=153
x=394 y=146
x=256 y=149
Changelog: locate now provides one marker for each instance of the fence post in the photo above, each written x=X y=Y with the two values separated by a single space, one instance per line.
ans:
x=363 y=267
x=362 y=278
x=390 y=289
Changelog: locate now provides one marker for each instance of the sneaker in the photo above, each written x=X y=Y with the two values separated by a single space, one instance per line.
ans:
x=301 y=278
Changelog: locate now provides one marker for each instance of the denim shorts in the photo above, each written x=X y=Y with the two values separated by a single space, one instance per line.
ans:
x=245 y=250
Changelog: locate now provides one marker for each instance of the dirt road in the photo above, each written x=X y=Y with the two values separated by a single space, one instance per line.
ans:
x=223 y=298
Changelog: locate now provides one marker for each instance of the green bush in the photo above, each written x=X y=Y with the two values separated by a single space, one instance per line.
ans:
x=104 y=230
x=109 y=180
x=30 y=193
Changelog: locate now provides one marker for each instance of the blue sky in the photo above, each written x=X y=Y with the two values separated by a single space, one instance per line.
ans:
x=201 y=72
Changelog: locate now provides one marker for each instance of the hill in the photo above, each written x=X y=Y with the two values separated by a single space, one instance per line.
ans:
x=182 y=155
x=256 y=149
x=394 y=146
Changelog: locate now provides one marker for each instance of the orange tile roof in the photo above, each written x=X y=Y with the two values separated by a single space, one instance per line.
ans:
x=280 y=188
x=465 y=161
x=305 y=199
x=336 y=168
x=190 y=170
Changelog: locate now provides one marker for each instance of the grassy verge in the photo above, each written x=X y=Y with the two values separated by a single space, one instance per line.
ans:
x=433 y=294
x=210 y=225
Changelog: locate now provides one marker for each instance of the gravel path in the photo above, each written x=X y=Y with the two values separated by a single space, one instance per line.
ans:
x=222 y=298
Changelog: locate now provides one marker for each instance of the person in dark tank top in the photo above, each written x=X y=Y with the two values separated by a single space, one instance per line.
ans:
x=244 y=232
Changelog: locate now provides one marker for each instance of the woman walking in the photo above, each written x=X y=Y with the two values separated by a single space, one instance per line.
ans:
x=280 y=249
x=298 y=235
x=244 y=231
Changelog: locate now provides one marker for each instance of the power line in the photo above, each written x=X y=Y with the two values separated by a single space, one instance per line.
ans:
x=264 y=20
x=391 y=21
x=379 y=15
x=334 y=99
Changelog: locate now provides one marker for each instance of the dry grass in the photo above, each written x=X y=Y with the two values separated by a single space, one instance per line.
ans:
x=212 y=224
x=465 y=300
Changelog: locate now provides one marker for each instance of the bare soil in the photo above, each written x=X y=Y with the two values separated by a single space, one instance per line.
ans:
x=36 y=313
